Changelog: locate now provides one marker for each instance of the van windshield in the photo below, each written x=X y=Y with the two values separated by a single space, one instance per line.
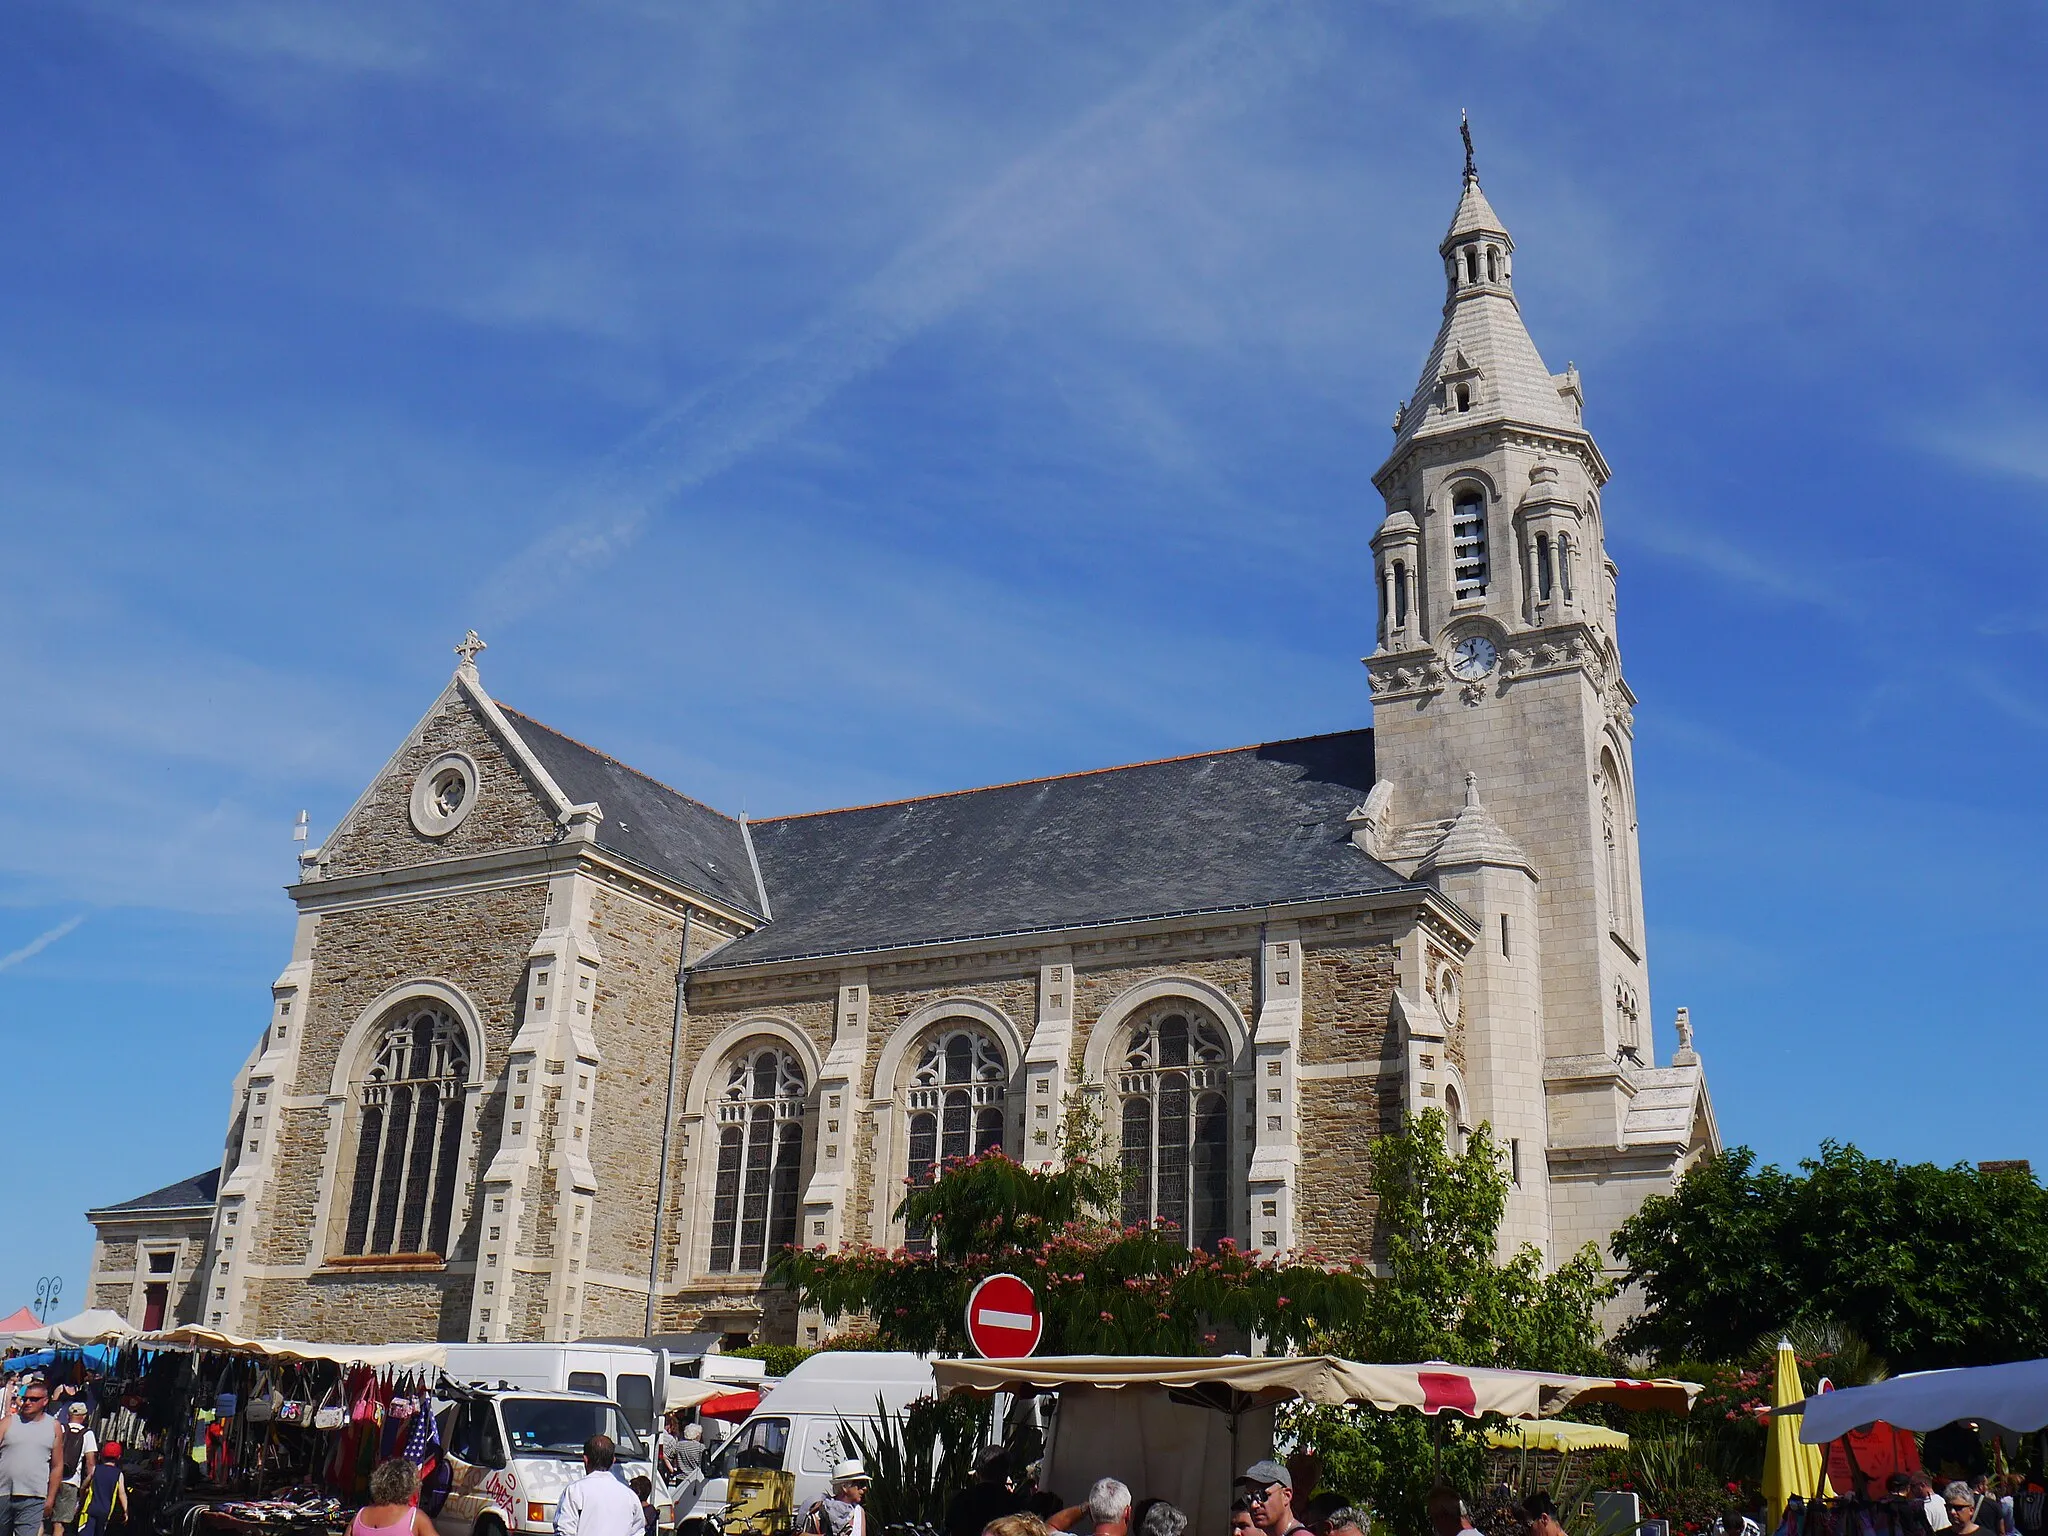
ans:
x=556 y=1426
x=760 y=1443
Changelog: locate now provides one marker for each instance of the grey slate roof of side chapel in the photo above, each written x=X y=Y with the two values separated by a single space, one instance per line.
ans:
x=198 y=1190
x=645 y=821
x=1219 y=831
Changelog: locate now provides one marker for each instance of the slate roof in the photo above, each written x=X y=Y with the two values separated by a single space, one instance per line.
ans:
x=1484 y=326
x=1219 y=831
x=198 y=1190
x=656 y=827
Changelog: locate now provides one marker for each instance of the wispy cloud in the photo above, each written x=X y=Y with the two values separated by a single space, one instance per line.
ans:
x=1772 y=574
x=1217 y=71
x=39 y=943
x=2008 y=443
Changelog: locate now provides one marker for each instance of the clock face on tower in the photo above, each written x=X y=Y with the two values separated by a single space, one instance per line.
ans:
x=1472 y=658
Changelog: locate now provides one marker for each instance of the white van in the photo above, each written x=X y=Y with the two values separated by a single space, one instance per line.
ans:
x=797 y=1427
x=627 y=1374
x=511 y=1453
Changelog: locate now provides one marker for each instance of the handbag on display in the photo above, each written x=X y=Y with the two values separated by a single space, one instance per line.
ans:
x=330 y=1414
x=261 y=1407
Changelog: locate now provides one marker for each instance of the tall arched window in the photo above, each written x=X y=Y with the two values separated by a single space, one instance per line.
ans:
x=409 y=1142
x=1614 y=834
x=1174 y=1086
x=956 y=1099
x=755 y=1191
x=1468 y=544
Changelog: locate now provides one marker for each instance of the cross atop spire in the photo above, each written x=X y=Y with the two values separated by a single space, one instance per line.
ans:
x=1465 y=133
x=469 y=648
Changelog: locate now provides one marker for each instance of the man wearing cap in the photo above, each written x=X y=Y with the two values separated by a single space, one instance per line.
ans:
x=839 y=1513
x=79 y=1450
x=1269 y=1488
x=31 y=1464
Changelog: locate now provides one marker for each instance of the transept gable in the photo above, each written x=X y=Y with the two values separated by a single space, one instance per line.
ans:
x=460 y=784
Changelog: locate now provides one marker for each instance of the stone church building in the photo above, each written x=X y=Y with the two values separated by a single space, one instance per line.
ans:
x=561 y=1051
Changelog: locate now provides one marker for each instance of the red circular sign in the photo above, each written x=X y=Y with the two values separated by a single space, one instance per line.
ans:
x=1003 y=1320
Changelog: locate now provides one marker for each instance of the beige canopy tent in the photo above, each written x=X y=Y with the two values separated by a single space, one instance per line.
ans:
x=96 y=1325
x=1181 y=1428
x=1432 y=1387
x=197 y=1339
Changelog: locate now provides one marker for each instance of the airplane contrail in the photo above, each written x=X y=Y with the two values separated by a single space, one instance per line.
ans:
x=1216 y=71
x=40 y=942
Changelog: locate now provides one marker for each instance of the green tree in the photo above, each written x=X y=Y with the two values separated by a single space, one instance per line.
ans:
x=1104 y=1288
x=1930 y=1266
x=1445 y=1295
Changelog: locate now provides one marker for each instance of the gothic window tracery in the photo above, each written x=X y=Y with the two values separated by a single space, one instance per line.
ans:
x=409 y=1135
x=755 y=1193
x=955 y=1100
x=1614 y=836
x=1173 y=1086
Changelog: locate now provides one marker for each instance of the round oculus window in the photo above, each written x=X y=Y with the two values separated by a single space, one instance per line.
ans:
x=1447 y=994
x=443 y=794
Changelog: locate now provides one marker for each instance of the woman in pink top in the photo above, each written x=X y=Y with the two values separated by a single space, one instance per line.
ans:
x=393 y=1509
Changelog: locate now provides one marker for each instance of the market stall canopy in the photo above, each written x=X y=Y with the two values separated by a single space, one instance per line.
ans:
x=730 y=1404
x=18 y=1319
x=96 y=1325
x=1237 y=1381
x=1555 y=1435
x=212 y=1341
x=683 y=1392
x=2013 y=1396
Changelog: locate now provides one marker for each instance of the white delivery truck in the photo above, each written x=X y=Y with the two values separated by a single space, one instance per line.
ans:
x=798 y=1426
x=634 y=1376
x=511 y=1452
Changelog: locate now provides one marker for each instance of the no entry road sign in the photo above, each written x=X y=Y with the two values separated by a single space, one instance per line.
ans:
x=1003 y=1320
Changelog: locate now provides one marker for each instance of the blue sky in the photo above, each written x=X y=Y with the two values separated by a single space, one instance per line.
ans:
x=817 y=404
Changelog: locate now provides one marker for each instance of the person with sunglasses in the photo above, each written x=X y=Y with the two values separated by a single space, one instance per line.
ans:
x=1268 y=1488
x=31 y=1469
x=1962 y=1509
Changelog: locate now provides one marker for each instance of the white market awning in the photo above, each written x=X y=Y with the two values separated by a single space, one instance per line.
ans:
x=96 y=1325
x=210 y=1340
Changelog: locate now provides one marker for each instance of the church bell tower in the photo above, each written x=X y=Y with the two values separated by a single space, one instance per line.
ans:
x=1497 y=693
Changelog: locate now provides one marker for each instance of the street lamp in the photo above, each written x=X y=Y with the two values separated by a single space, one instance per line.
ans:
x=48 y=1289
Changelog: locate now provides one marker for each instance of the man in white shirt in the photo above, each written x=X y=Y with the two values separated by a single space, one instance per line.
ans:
x=597 y=1503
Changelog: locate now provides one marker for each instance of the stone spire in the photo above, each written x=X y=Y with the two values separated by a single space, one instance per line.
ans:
x=1484 y=369
x=1474 y=837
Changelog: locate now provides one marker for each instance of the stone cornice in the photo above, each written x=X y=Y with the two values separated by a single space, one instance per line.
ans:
x=1524 y=654
x=1463 y=441
x=1010 y=952
x=158 y=1213
x=504 y=868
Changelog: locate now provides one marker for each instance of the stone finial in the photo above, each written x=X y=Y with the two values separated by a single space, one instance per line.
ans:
x=1465 y=133
x=1471 y=788
x=1685 y=1029
x=469 y=649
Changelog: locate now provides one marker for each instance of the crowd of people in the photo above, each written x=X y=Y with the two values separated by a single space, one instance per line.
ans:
x=54 y=1476
x=1270 y=1498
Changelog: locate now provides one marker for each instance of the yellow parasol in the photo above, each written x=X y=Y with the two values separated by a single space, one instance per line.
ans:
x=1789 y=1466
x=1555 y=1435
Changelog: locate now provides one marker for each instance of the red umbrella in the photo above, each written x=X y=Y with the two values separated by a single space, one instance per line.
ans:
x=730 y=1405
